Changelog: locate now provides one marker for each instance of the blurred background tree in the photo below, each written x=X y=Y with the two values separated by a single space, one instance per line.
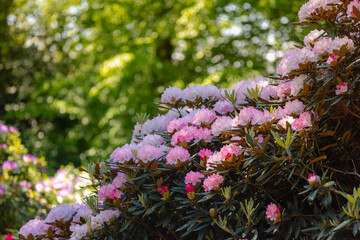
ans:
x=74 y=73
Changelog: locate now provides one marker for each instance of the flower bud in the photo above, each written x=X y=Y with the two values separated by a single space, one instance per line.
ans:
x=213 y=212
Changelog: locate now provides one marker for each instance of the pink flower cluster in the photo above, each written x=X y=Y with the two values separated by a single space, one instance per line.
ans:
x=253 y=116
x=213 y=182
x=109 y=191
x=177 y=154
x=350 y=8
x=193 y=178
x=341 y=88
x=309 y=8
x=273 y=212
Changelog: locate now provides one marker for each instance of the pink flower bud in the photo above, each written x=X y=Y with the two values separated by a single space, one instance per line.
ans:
x=163 y=189
x=189 y=188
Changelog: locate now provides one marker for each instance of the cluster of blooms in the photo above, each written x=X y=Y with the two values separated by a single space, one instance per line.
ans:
x=24 y=183
x=78 y=215
x=209 y=134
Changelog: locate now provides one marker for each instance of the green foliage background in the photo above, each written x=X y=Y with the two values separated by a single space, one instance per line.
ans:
x=74 y=73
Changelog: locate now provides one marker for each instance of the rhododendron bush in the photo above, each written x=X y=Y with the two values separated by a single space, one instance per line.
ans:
x=25 y=189
x=269 y=158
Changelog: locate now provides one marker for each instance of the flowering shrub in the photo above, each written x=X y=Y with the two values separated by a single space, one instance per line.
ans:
x=25 y=189
x=269 y=158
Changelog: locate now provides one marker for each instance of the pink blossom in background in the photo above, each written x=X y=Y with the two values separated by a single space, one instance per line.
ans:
x=213 y=182
x=3 y=146
x=203 y=116
x=42 y=186
x=123 y=154
x=120 y=179
x=273 y=212
x=3 y=128
x=13 y=129
x=10 y=165
x=109 y=191
x=2 y=191
x=341 y=88
x=351 y=6
x=29 y=158
x=193 y=178
x=223 y=107
x=312 y=178
x=148 y=153
x=26 y=184
x=221 y=124
x=163 y=189
x=34 y=227
x=205 y=153
x=332 y=58
x=177 y=154
x=295 y=106
x=10 y=236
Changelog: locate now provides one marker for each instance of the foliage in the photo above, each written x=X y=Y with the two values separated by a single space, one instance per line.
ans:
x=25 y=189
x=266 y=159
x=73 y=70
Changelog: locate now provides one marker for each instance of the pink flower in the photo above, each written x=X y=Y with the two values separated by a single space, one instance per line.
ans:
x=180 y=123
x=34 y=227
x=60 y=213
x=189 y=188
x=26 y=184
x=109 y=191
x=152 y=139
x=351 y=6
x=203 y=116
x=273 y=212
x=295 y=106
x=177 y=154
x=2 y=191
x=148 y=153
x=120 y=179
x=293 y=58
x=205 y=153
x=302 y=122
x=103 y=217
x=228 y=151
x=182 y=136
x=193 y=177
x=309 y=8
x=332 y=58
x=286 y=119
x=223 y=107
x=29 y=158
x=328 y=45
x=123 y=154
x=213 y=182
x=341 y=88
x=171 y=95
x=10 y=165
x=3 y=128
x=10 y=236
x=297 y=84
x=312 y=179
x=312 y=37
x=78 y=231
x=283 y=89
x=221 y=124
x=163 y=189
